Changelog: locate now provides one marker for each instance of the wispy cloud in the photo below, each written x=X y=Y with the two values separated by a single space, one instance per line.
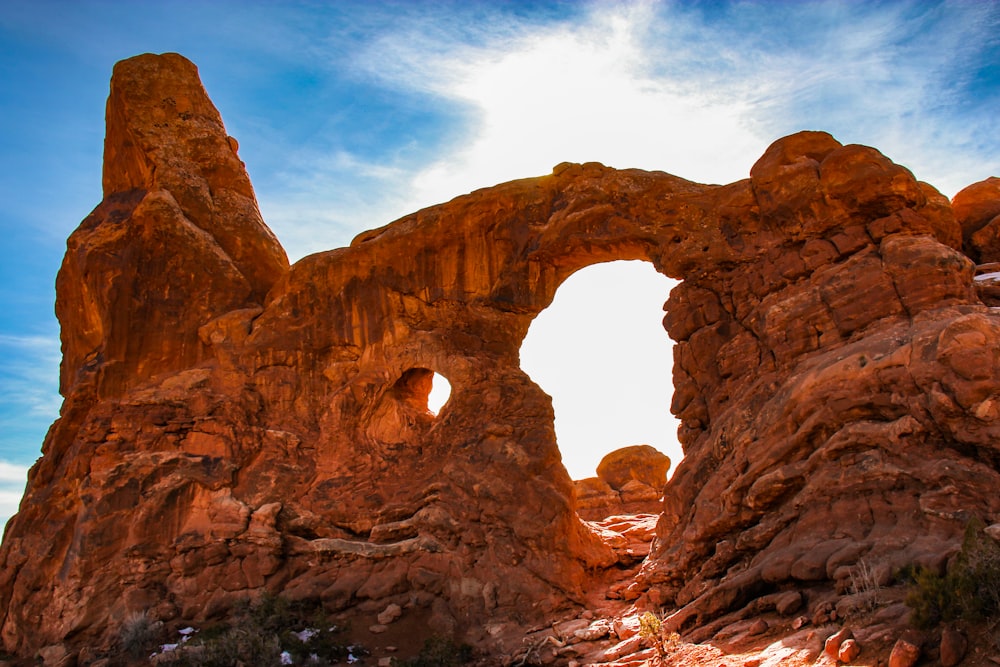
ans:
x=696 y=90
x=29 y=381
x=12 y=473
x=31 y=372
x=582 y=93
x=662 y=86
x=892 y=75
x=13 y=478
x=321 y=201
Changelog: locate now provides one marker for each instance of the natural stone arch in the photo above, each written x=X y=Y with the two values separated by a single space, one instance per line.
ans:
x=830 y=349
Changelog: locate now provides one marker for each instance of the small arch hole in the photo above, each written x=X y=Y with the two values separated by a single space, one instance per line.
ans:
x=422 y=391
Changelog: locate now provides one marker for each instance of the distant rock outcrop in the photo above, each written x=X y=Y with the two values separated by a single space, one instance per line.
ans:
x=233 y=425
x=977 y=210
x=629 y=480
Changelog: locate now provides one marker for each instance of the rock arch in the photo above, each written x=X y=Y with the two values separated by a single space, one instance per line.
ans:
x=833 y=359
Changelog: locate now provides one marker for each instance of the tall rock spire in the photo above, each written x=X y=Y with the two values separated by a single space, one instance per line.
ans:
x=177 y=241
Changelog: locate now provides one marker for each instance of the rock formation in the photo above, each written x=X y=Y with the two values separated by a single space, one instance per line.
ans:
x=233 y=425
x=629 y=480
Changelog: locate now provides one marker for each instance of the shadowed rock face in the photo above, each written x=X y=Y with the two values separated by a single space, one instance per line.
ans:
x=232 y=424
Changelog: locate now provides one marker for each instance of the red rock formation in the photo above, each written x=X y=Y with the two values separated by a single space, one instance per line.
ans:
x=977 y=210
x=177 y=241
x=629 y=480
x=232 y=426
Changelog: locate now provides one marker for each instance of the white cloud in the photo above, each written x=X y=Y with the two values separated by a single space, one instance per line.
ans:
x=28 y=383
x=13 y=473
x=584 y=96
x=664 y=86
x=660 y=86
x=887 y=75
x=38 y=344
x=572 y=92
x=322 y=200
x=30 y=375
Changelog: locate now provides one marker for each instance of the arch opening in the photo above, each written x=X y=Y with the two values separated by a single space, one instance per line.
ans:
x=406 y=410
x=422 y=390
x=601 y=352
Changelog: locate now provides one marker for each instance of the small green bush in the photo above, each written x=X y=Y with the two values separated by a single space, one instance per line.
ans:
x=932 y=598
x=651 y=630
x=968 y=591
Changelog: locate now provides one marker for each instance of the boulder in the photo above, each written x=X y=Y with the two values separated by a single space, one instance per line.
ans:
x=639 y=463
x=834 y=642
x=953 y=647
x=977 y=208
x=904 y=654
x=849 y=650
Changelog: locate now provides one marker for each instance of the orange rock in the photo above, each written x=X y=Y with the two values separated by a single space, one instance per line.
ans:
x=596 y=500
x=640 y=463
x=849 y=650
x=630 y=481
x=179 y=206
x=975 y=208
x=904 y=654
x=834 y=642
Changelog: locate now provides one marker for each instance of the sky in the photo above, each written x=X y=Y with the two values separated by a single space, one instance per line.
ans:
x=352 y=114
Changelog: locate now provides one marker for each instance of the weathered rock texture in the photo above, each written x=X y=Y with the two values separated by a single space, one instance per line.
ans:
x=232 y=425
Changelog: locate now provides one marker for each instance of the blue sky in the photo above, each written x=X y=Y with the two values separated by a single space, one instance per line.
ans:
x=350 y=114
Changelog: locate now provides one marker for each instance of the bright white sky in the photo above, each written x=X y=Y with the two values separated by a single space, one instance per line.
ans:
x=601 y=353
x=351 y=114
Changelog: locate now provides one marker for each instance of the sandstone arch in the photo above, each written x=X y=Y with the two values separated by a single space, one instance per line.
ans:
x=833 y=359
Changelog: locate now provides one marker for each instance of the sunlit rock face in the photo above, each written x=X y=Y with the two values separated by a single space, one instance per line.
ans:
x=629 y=480
x=233 y=425
x=977 y=209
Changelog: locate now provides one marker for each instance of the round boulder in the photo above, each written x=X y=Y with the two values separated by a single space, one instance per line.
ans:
x=642 y=463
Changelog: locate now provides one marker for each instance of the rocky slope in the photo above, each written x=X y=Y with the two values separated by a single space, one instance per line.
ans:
x=233 y=425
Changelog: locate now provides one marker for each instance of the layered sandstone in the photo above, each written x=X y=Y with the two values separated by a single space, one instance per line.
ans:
x=233 y=425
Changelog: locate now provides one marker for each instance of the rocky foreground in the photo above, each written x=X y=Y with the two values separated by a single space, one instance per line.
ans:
x=233 y=425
